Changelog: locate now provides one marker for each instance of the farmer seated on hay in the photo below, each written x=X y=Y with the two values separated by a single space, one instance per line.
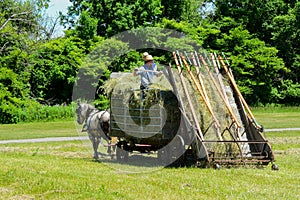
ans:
x=147 y=71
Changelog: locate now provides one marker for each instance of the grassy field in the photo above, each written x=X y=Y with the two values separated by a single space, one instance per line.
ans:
x=66 y=170
x=38 y=130
x=269 y=118
x=278 y=117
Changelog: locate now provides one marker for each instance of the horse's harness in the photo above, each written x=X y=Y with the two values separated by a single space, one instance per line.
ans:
x=89 y=111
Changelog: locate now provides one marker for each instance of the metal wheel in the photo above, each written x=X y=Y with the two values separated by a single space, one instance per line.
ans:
x=177 y=150
x=274 y=167
x=163 y=156
x=217 y=166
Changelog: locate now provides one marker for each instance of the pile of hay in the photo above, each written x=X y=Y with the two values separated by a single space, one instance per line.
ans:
x=151 y=111
x=124 y=93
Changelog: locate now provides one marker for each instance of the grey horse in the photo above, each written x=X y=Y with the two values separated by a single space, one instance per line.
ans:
x=97 y=125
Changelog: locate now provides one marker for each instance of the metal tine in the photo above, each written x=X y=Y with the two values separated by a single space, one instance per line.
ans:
x=217 y=60
x=238 y=92
x=230 y=76
x=220 y=92
x=225 y=58
x=208 y=60
x=179 y=59
x=198 y=65
x=197 y=60
x=207 y=103
x=179 y=65
x=195 y=63
x=187 y=58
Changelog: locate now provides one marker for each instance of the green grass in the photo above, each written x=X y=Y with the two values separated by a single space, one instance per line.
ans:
x=66 y=170
x=286 y=117
x=283 y=134
x=276 y=109
x=38 y=130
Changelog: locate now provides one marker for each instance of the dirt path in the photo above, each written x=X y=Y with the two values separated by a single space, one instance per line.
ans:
x=54 y=139
x=282 y=129
x=60 y=139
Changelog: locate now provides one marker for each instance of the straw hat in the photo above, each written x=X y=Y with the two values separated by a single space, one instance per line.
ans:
x=148 y=58
x=144 y=55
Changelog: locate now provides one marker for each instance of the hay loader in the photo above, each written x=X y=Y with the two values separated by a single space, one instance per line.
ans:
x=194 y=116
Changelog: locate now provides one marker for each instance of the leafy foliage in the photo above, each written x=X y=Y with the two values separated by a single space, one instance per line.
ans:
x=276 y=23
x=255 y=66
x=260 y=39
x=11 y=95
x=55 y=65
x=113 y=17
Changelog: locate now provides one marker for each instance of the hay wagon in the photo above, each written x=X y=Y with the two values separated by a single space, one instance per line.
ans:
x=199 y=119
x=146 y=121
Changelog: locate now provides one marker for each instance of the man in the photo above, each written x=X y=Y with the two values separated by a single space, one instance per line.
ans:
x=147 y=71
x=145 y=54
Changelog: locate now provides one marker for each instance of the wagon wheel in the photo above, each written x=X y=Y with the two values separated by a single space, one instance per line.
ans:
x=122 y=153
x=163 y=156
x=177 y=150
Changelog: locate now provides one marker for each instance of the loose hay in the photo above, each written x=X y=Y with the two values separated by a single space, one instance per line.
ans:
x=124 y=92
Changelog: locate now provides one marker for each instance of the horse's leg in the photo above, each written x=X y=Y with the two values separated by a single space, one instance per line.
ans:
x=98 y=140
x=95 y=143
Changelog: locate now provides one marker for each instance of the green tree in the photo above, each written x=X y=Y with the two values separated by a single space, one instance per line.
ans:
x=19 y=26
x=275 y=22
x=183 y=10
x=254 y=15
x=87 y=26
x=255 y=66
x=12 y=94
x=54 y=68
x=286 y=38
x=96 y=68
x=113 y=17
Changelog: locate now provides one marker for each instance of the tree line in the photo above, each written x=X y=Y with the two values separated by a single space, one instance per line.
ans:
x=260 y=38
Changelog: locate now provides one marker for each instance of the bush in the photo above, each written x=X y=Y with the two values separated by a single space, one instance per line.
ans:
x=39 y=112
x=30 y=110
x=9 y=111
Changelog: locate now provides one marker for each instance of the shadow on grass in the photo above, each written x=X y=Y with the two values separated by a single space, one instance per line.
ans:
x=137 y=160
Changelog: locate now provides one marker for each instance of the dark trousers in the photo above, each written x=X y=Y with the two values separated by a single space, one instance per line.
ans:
x=143 y=88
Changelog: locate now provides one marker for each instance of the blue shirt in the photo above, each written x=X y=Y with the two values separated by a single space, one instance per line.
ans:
x=146 y=76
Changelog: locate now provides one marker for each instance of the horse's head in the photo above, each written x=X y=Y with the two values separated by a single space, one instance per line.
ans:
x=82 y=111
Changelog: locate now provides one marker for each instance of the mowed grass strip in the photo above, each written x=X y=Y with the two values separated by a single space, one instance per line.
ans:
x=65 y=128
x=286 y=117
x=65 y=170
